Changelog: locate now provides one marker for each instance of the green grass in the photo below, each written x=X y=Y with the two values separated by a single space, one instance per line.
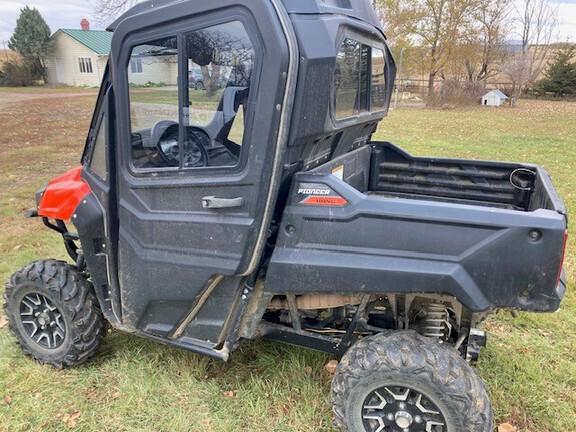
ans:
x=42 y=89
x=133 y=384
x=169 y=96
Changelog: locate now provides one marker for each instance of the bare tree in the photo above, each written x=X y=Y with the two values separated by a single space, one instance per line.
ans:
x=538 y=20
x=487 y=41
x=212 y=49
x=442 y=29
x=106 y=11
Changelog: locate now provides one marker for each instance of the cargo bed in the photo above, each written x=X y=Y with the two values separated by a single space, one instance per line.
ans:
x=377 y=219
x=496 y=184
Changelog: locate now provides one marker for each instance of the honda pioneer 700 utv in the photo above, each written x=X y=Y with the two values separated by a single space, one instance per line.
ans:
x=260 y=206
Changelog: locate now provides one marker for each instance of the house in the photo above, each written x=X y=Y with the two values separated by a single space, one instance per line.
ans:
x=81 y=55
x=494 y=98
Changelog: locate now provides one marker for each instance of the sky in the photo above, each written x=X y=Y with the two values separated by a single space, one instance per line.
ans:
x=69 y=13
x=567 y=15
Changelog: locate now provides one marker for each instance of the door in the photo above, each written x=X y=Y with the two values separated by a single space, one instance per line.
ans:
x=195 y=163
x=59 y=74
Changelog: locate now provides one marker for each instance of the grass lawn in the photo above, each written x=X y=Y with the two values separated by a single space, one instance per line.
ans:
x=169 y=96
x=132 y=384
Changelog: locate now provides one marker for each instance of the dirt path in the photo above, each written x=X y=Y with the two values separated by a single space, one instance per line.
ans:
x=10 y=98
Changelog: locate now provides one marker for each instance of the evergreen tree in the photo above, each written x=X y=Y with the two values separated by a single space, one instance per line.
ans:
x=31 y=39
x=560 y=77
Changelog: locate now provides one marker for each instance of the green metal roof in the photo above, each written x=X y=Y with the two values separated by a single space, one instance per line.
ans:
x=98 y=41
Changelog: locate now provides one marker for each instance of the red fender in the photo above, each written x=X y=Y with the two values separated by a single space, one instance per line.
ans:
x=62 y=195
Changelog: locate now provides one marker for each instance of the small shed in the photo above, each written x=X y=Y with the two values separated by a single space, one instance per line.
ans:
x=494 y=98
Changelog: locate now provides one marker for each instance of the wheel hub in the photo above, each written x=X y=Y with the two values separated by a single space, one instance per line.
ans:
x=403 y=419
x=401 y=409
x=42 y=320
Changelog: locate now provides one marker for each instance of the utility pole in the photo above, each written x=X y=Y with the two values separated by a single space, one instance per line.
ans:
x=399 y=78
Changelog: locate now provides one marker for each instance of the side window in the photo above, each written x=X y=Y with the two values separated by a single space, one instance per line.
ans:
x=378 y=101
x=346 y=79
x=219 y=60
x=358 y=79
x=153 y=99
x=98 y=160
x=207 y=130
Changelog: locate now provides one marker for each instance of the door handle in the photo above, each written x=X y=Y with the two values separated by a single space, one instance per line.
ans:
x=213 y=202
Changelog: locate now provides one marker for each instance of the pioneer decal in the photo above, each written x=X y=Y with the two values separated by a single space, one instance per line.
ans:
x=318 y=194
x=314 y=191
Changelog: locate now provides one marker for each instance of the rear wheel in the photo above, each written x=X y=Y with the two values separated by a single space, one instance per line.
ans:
x=53 y=313
x=404 y=382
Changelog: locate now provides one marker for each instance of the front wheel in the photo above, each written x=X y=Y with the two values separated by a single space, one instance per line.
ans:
x=53 y=313
x=404 y=382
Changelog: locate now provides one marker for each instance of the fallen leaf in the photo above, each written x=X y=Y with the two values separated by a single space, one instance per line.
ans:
x=116 y=395
x=228 y=394
x=3 y=321
x=71 y=419
x=308 y=369
x=507 y=427
x=8 y=399
x=331 y=366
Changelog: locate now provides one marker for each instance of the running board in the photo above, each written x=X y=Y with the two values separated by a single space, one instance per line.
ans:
x=191 y=344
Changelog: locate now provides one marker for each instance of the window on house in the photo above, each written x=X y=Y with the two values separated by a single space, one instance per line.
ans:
x=359 y=79
x=136 y=65
x=85 y=64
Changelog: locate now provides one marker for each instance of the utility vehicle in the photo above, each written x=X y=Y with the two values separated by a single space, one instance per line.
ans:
x=265 y=209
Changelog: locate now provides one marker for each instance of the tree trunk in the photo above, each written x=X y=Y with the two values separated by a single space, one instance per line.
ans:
x=431 y=94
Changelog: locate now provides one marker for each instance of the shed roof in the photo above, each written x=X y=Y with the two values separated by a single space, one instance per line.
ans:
x=497 y=93
x=98 y=41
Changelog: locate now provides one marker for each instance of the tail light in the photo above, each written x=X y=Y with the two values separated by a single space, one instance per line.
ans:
x=562 y=257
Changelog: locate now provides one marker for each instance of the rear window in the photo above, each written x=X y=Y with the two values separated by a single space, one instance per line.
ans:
x=359 y=79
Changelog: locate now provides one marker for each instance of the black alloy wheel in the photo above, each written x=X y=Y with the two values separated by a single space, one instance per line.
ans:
x=53 y=313
x=42 y=320
x=401 y=381
x=400 y=408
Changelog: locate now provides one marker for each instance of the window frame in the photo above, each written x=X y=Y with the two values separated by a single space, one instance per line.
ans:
x=85 y=65
x=178 y=31
x=136 y=66
x=101 y=128
x=371 y=44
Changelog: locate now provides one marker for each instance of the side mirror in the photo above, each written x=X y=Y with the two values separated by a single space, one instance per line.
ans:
x=199 y=48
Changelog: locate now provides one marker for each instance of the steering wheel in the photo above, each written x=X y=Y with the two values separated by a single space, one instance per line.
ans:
x=164 y=135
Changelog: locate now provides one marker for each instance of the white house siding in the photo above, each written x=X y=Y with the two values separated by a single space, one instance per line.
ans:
x=155 y=70
x=68 y=51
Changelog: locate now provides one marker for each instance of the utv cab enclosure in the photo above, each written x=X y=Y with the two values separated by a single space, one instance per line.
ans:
x=258 y=205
